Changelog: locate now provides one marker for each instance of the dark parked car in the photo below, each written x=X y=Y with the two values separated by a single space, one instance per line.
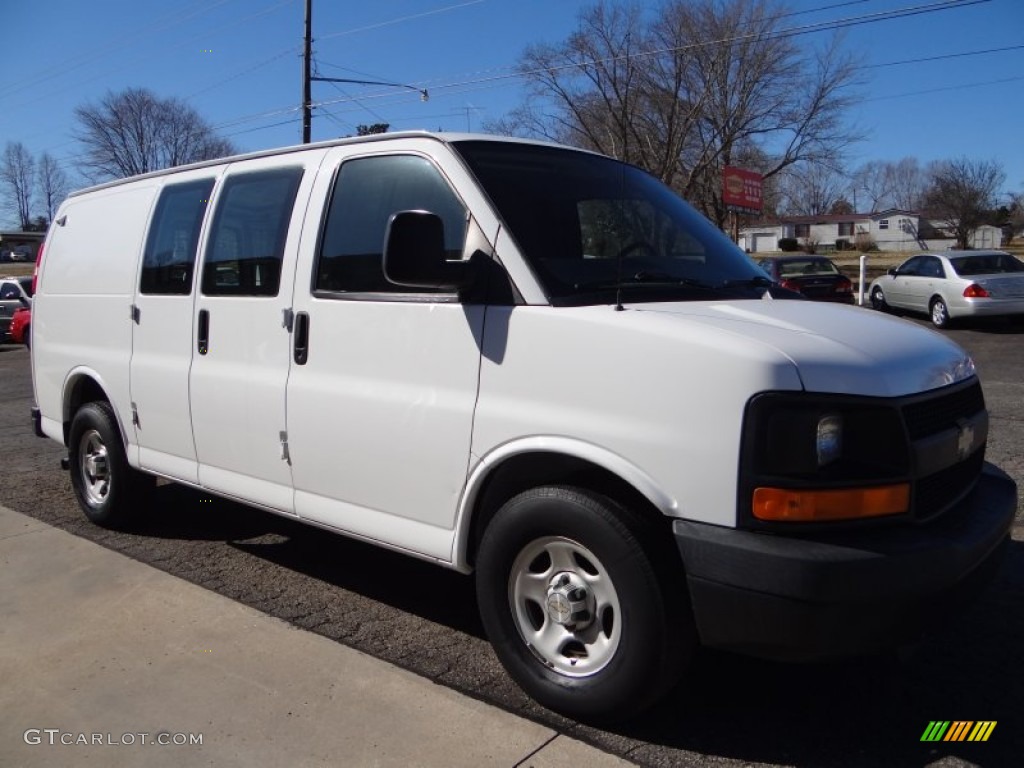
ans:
x=814 y=276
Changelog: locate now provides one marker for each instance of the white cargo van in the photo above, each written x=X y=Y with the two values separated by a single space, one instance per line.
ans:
x=534 y=363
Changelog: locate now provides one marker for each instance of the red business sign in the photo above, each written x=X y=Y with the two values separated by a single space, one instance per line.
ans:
x=741 y=189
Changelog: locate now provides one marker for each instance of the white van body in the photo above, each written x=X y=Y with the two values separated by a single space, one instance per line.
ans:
x=438 y=421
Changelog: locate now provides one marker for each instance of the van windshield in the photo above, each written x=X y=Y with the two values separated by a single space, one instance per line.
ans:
x=595 y=230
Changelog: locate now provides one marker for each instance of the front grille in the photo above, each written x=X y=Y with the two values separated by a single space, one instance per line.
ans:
x=935 y=493
x=928 y=416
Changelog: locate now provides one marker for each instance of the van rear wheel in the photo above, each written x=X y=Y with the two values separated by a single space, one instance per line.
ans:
x=582 y=603
x=107 y=488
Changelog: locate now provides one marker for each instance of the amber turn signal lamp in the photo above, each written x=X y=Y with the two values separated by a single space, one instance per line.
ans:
x=811 y=506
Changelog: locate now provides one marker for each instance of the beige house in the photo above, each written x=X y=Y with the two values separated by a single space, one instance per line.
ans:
x=889 y=230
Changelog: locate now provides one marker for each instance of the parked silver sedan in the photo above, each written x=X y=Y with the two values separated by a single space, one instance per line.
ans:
x=959 y=284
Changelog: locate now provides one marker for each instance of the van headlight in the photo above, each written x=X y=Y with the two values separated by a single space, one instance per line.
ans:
x=818 y=458
x=830 y=438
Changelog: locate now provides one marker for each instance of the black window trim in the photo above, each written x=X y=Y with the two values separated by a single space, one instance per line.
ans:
x=200 y=245
x=223 y=182
x=446 y=297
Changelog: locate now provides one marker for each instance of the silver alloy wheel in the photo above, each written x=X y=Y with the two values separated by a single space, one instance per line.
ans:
x=94 y=467
x=878 y=299
x=565 y=606
x=940 y=315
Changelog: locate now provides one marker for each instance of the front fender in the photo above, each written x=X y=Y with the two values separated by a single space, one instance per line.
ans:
x=563 y=446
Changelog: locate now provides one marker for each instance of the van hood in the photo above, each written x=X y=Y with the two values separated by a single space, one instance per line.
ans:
x=835 y=348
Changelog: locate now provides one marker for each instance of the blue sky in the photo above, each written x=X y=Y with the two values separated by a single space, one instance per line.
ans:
x=238 y=62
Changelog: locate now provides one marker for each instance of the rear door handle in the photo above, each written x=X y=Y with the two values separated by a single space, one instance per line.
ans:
x=203 y=332
x=301 y=338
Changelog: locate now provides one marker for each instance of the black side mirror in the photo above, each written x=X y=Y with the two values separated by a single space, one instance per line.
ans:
x=891 y=272
x=415 y=257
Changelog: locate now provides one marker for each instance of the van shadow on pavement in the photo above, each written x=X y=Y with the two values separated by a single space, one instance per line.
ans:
x=869 y=711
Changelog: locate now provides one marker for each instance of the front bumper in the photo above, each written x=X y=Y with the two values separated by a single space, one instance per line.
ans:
x=841 y=594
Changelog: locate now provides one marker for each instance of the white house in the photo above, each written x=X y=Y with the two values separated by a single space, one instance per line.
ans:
x=889 y=230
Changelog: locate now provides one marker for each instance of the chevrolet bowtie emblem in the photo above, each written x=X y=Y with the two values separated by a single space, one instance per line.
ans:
x=965 y=441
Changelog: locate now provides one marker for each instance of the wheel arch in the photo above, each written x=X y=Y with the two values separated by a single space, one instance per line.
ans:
x=84 y=385
x=519 y=466
x=945 y=302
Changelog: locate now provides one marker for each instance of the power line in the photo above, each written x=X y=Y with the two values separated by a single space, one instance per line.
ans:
x=805 y=29
x=280 y=55
x=115 y=46
x=481 y=80
x=399 y=20
x=946 y=88
x=943 y=56
x=339 y=89
x=815 y=27
x=203 y=35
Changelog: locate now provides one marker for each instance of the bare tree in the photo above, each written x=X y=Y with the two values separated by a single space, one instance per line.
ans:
x=134 y=132
x=810 y=190
x=882 y=184
x=53 y=184
x=908 y=184
x=1016 y=214
x=17 y=172
x=872 y=183
x=699 y=85
x=962 y=194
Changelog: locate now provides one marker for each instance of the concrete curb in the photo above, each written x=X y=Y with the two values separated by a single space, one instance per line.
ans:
x=104 y=657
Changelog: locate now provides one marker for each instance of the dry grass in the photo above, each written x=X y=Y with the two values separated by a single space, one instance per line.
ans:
x=17 y=268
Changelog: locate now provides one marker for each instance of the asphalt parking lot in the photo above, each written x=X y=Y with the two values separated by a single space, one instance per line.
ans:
x=729 y=710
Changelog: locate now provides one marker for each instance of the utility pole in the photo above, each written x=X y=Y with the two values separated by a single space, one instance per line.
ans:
x=307 y=78
x=307 y=55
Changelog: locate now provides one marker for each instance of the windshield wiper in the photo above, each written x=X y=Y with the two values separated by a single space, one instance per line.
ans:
x=753 y=282
x=647 y=279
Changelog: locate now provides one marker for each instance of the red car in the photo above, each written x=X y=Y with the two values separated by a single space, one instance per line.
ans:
x=20 y=324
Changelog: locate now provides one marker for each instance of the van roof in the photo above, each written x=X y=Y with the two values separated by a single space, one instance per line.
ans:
x=445 y=138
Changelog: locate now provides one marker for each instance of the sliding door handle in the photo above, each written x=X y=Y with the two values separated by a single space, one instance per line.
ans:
x=301 y=338
x=203 y=332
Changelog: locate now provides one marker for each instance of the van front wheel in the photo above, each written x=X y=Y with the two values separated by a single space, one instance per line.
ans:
x=580 y=602
x=106 y=487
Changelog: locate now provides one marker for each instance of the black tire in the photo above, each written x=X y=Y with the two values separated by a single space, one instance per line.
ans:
x=28 y=336
x=939 y=312
x=108 y=490
x=614 y=630
x=878 y=300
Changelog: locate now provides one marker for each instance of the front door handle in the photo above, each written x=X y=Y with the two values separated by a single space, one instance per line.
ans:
x=203 y=332
x=301 y=338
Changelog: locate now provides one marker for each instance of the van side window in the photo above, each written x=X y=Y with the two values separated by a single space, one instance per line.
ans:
x=366 y=194
x=250 y=226
x=170 y=256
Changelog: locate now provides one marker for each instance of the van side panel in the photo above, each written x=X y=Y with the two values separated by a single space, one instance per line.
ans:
x=82 y=309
